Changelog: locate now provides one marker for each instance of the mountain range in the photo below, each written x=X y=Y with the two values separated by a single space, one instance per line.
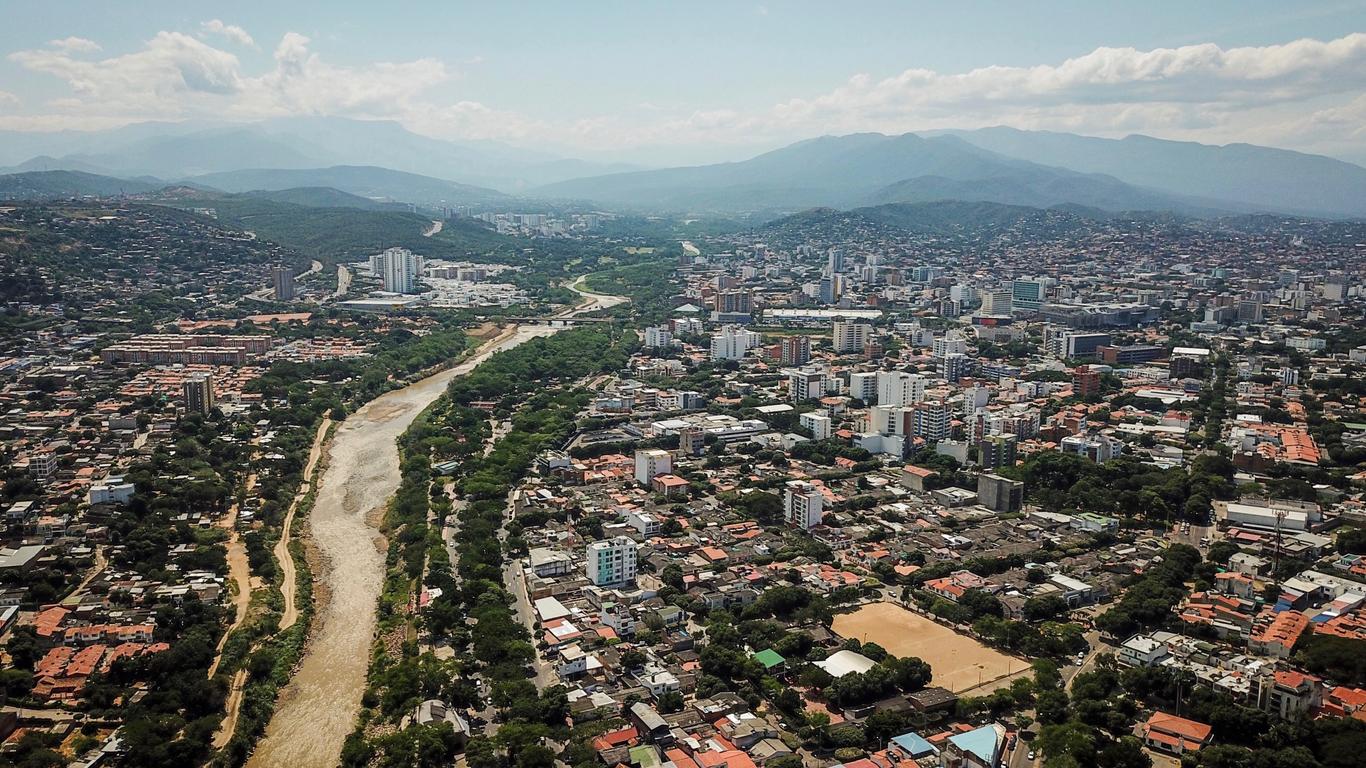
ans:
x=177 y=151
x=871 y=169
x=384 y=162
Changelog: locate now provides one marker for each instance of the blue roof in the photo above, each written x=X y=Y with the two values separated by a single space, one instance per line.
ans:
x=915 y=746
x=981 y=742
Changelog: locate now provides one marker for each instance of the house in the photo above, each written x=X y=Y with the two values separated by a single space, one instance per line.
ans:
x=914 y=477
x=649 y=724
x=978 y=748
x=1142 y=651
x=1291 y=695
x=953 y=586
x=1173 y=735
x=1279 y=637
x=438 y=711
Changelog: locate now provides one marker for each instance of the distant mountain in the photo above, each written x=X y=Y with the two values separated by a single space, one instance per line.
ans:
x=182 y=150
x=322 y=197
x=860 y=169
x=1250 y=176
x=380 y=184
x=46 y=185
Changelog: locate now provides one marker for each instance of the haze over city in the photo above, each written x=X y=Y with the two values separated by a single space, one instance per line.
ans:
x=683 y=385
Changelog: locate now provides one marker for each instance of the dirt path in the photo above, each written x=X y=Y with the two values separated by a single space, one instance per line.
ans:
x=239 y=574
x=96 y=568
x=318 y=708
x=234 y=708
x=283 y=556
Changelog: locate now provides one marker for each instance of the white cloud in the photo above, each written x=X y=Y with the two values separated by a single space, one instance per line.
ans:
x=75 y=45
x=1305 y=94
x=7 y=98
x=230 y=31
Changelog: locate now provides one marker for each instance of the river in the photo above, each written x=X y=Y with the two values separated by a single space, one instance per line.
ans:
x=318 y=708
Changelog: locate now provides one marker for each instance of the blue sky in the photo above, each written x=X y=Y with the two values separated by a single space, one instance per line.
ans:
x=660 y=81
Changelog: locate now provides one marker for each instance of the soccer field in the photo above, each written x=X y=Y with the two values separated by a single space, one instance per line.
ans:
x=959 y=662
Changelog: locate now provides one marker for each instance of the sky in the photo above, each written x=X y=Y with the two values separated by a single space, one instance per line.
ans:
x=661 y=83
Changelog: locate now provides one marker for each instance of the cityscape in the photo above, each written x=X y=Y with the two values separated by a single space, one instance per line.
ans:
x=930 y=422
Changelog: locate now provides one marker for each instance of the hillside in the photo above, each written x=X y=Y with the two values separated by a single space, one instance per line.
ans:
x=321 y=197
x=361 y=180
x=1244 y=174
x=859 y=169
x=340 y=234
x=48 y=185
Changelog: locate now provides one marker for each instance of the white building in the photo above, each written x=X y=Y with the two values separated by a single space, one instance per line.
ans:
x=805 y=383
x=650 y=463
x=732 y=342
x=951 y=344
x=399 y=269
x=818 y=423
x=113 y=490
x=863 y=386
x=611 y=562
x=803 y=504
x=899 y=388
x=658 y=337
x=848 y=336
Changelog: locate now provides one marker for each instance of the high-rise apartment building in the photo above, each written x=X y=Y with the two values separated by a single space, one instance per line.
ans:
x=611 y=562
x=899 y=388
x=794 y=350
x=650 y=463
x=399 y=269
x=803 y=504
x=199 y=393
x=849 y=336
x=282 y=278
x=732 y=342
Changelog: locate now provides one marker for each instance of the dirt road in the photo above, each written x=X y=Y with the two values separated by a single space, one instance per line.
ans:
x=283 y=556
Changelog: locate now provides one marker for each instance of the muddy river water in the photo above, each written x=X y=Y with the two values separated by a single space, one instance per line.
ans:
x=318 y=709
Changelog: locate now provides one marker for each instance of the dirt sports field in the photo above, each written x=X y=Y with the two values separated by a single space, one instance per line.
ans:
x=960 y=663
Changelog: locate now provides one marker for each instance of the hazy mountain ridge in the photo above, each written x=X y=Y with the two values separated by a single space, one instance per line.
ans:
x=1261 y=178
x=862 y=169
x=45 y=185
x=364 y=181
x=176 y=151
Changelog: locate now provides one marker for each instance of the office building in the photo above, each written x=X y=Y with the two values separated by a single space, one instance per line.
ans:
x=1028 y=294
x=611 y=562
x=835 y=261
x=733 y=303
x=996 y=303
x=199 y=393
x=282 y=278
x=803 y=504
x=651 y=462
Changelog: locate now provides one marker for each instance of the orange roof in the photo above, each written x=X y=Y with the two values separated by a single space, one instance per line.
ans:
x=1173 y=726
